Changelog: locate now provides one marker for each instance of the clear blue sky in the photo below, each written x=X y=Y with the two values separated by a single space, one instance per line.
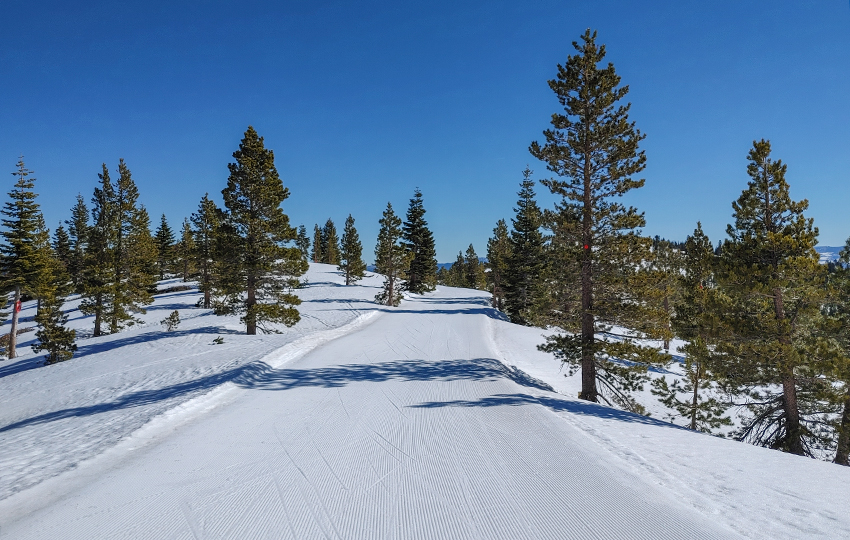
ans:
x=364 y=101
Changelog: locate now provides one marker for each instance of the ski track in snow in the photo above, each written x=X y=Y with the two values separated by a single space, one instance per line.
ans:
x=435 y=420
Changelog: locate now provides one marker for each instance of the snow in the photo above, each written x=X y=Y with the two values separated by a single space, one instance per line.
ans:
x=436 y=419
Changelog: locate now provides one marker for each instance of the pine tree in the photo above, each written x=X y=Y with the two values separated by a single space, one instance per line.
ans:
x=19 y=251
x=839 y=317
x=165 y=247
x=665 y=269
x=593 y=150
x=474 y=278
x=205 y=226
x=351 y=253
x=330 y=243
x=457 y=272
x=523 y=277
x=419 y=242
x=769 y=269
x=62 y=246
x=695 y=321
x=303 y=242
x=318 y=256
x=185 y=251
x=134 y=254
x=53 y=338
x=49 y=276
x=391 y=258
x=142 y=264
x=261 y=271
x=498 y=255
x=78 y=234
x=97 y=272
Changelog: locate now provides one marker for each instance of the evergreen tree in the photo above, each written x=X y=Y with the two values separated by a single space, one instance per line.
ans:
x=593 y=150
x=523 y=277
x=351 y=253
x=134 y=254
x=62 y=246
x=205 y=225
x=49 y=276
x=261 y=271
x=318 y=256
x=78 y=234
x=20 y=264
x=665 y=270
x=330 y=244
x=695 y=321
x=839 y=317
x=391 y=258
x=474 y=278
x=457 y=272
x=303 y=242
x=186 y=250
x=53 y=338
x=419 y=242
x=769 y=269
x=142 y=264
x=165 y=247
x=498 y=255
x=96 y=276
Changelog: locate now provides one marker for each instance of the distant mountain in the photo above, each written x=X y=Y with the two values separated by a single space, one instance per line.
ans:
x=449 y=264
x=828 y=253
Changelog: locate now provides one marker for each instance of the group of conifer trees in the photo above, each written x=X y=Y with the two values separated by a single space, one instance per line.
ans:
x=241 y=255
x=765 y=325
x=405 y=253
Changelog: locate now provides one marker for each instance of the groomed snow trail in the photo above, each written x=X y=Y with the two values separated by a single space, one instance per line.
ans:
x=407 y=428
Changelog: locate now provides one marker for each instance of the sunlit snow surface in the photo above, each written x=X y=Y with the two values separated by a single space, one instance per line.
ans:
x=436 y=419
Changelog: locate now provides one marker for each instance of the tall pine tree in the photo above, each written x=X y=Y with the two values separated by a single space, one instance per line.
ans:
x=318 y=256
x=205 y=224
x=330 y=243
x=593 y=149
x=474 y=278
x=498 y=256
x=133 y=254
x=769 y=269
x=391 y=258
x=165 y=247
x=351 y=253
x=96 y=276
x=419 y=242
x=20 y=257
x=303 y=242
x=262 y=270
x=524 y=290
x=693 y=396
x=78 y=234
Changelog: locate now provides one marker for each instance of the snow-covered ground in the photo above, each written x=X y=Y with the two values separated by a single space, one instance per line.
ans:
x=436 y=419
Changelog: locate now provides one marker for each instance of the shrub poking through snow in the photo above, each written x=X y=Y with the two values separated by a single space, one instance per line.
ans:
x=172 y=321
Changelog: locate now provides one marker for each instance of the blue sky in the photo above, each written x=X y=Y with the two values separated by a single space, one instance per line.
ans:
x=364 y=101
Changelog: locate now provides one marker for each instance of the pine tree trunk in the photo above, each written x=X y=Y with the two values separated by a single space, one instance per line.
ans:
x=842 y=452
x=588 y=359
x=794 y=432
x=185 y=270
x=251 y=318
x=667 y=311
x=207 y=301
x=695 y=401
x=13 y=333
x=98 y=302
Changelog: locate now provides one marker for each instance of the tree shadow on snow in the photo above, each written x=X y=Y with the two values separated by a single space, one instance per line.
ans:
x=557 y=404
x=261 y=376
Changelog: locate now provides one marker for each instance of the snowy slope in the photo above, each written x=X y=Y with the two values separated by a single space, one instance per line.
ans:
x=436 y=419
